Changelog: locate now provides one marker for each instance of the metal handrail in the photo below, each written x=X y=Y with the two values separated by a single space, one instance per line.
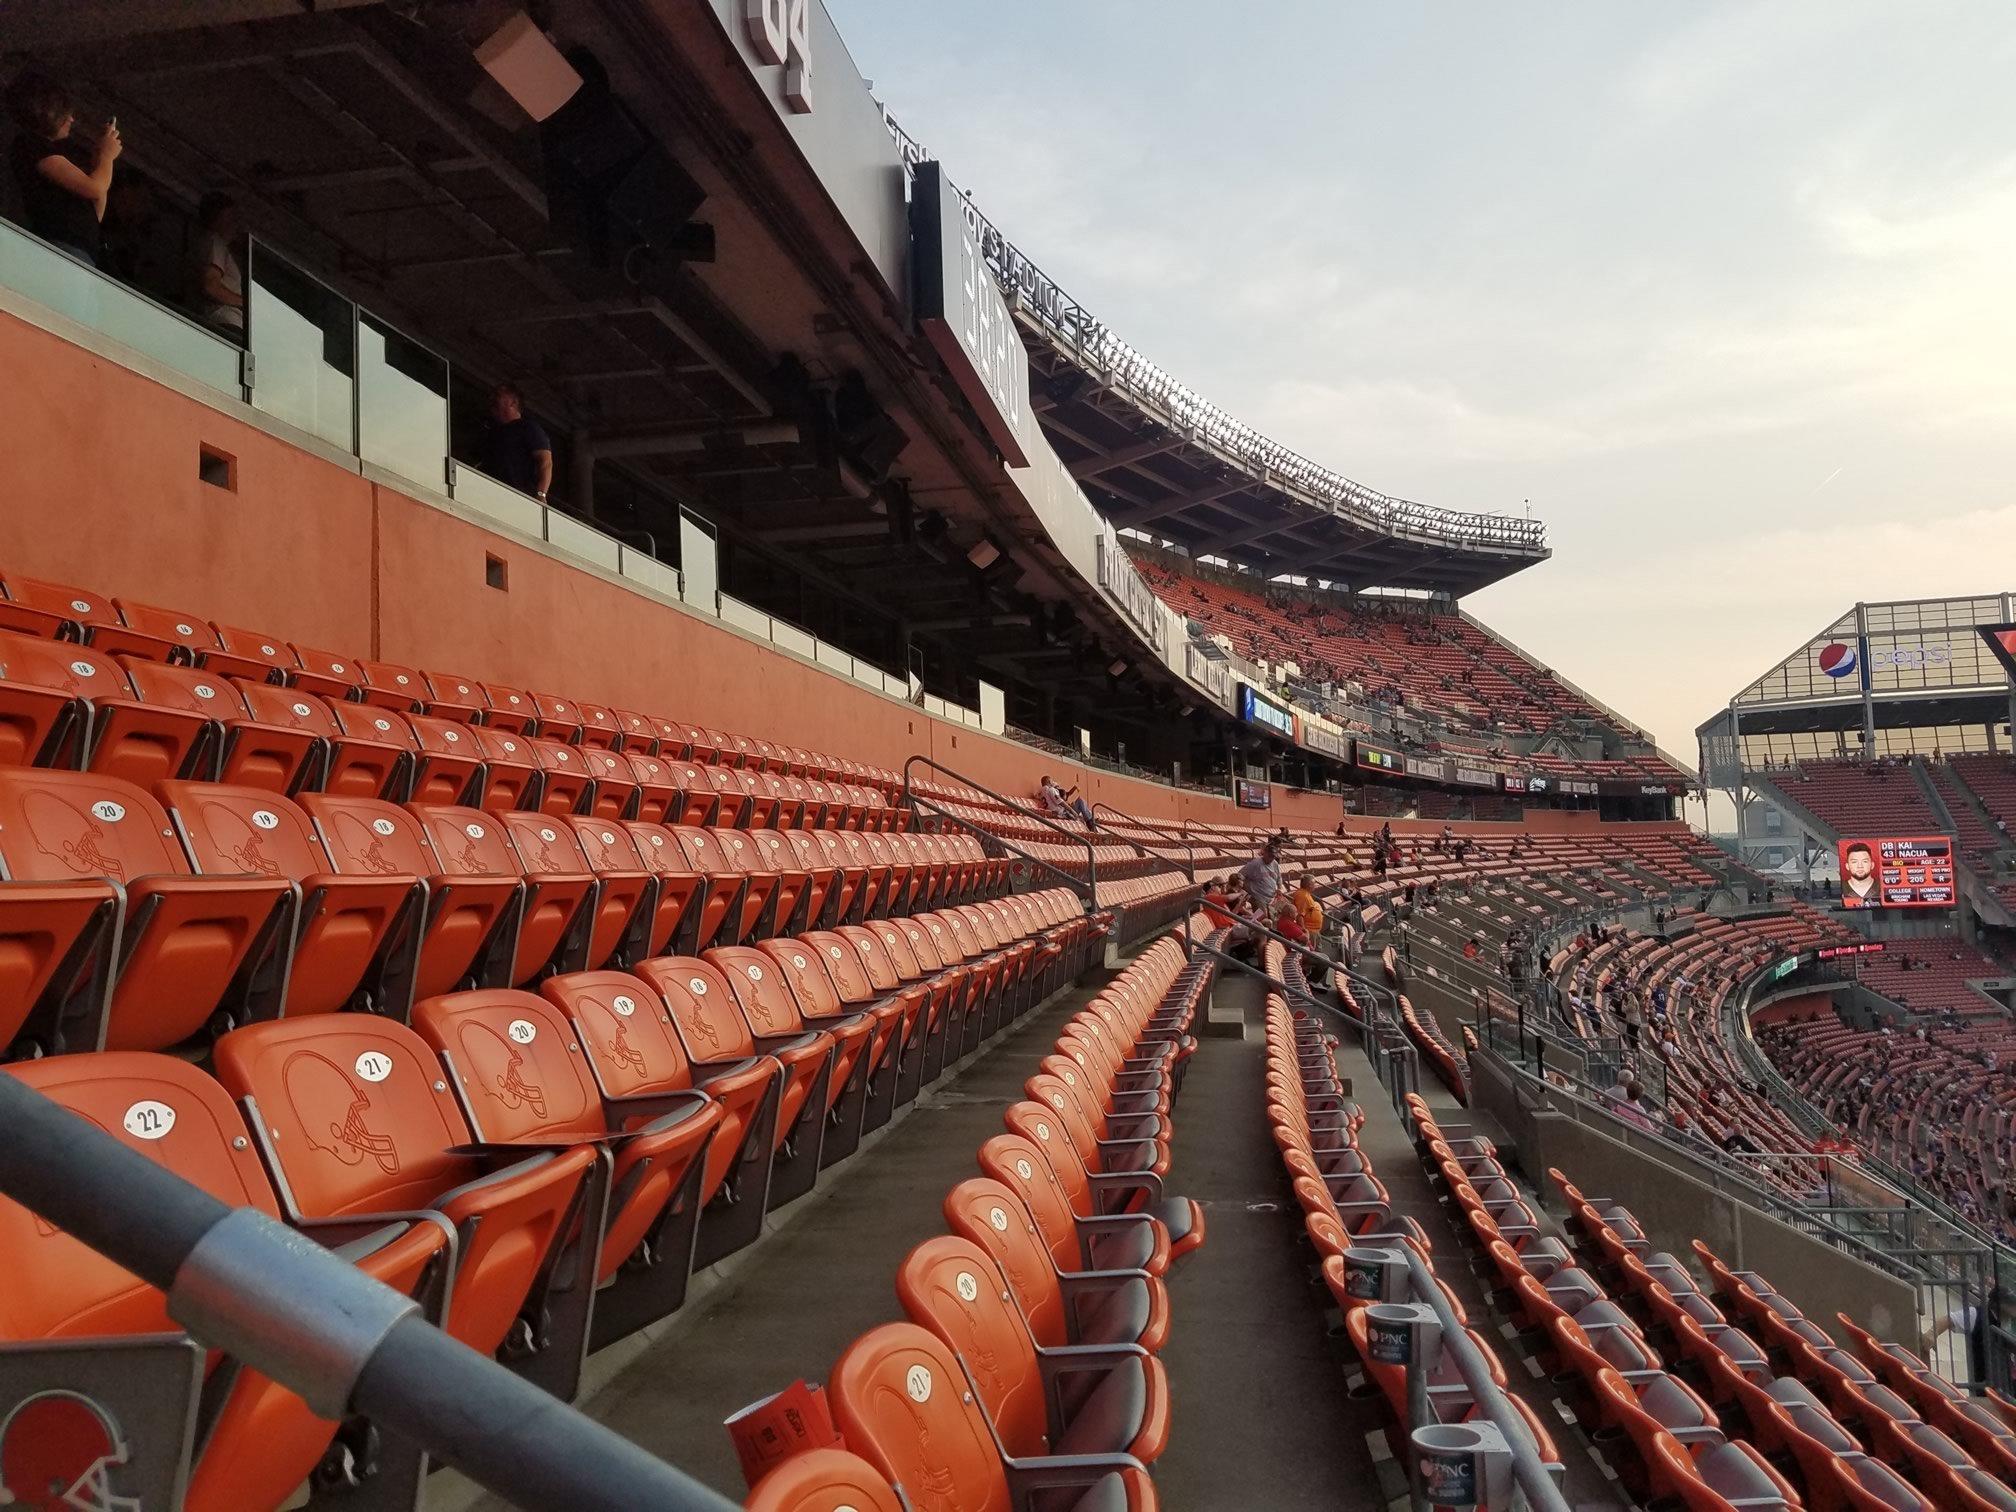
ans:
x=246 y=1284
x=1528 y=1468
x=913 y=798
x=1189 y=847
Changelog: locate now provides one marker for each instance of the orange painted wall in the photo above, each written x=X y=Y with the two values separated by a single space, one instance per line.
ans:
x=104 y=493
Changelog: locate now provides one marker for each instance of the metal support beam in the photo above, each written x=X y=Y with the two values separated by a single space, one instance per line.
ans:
x=1127 y=456
x=1219 y=545
x=1181 y=502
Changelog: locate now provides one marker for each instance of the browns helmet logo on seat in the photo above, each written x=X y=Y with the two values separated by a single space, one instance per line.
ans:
x=50 y=817
x=57 y=1454
x=331 y=1107
x=498 y=1067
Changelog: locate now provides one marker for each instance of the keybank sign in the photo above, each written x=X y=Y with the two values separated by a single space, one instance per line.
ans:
x=780 y=31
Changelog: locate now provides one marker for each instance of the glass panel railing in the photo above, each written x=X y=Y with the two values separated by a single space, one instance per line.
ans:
x=402 y=403
x=649 y=572
x=76 y=291
x=697 y=549
x=303 y=337
x=583 y=540
x=499 y=501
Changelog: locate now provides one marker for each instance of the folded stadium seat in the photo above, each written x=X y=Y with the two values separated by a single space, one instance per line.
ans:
x=862 y=984
x=615 y=785
x=356 y=939
x=392 y=686
x=726 y=752
x=814 y=981
x=447 y=695
x=696 y=744
x=721 y=904
x=896 y=870
x=376 y=761
x=694 y=800
x=332 y=675
x=355 y=1119
x=505 y=708
x=515 y=1063
x=511 y=772
x=555 y=919
x=823 y=810
x=1715 y=1477
x=641 y=734
x=767 y=888
x=600 y=728
x=641 y=1063
x=982 y=1013
x=825 y=1480
x=903 y=1403
x=566 y=785
x=57 y=611
x=651 y=780
x=714 y=1031
x=822 y=877
x=195 y=639
x=239 y=747
x=788 y=811
x=260 y=1441
x=253 y=655
x=74 y=706
x=733 y=798
x=618 y=905
x=1063 y=1307
x=768 y=851
x=876 y=955
x=928 y=985
x=805 y=809
x=469 y=931
x=673 y=902
x=1098 y=1193
x=1130 y=1241
x=851 y=876
x=1039 y=1401
x=193 y=951
x=762 y=990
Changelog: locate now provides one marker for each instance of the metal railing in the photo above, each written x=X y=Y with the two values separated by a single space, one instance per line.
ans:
x=1086 y=887
x=246 y=1284
x=1189 y=847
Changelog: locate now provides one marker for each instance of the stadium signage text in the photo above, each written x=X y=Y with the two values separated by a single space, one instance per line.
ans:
x=963 y=314
x=780 y=31
x=1256 y=707
x=1514 y=783
x=1476 y=777
x=1378 y=760
x=1873 y=947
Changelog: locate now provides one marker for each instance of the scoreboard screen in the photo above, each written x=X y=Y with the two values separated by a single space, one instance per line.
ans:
x=1897 y=872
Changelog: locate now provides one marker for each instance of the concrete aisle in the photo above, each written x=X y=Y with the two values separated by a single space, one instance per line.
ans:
x=826 y=1276
x=1261 y=1417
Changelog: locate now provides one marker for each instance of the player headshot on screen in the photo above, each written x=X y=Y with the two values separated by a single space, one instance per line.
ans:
x=1858 y=876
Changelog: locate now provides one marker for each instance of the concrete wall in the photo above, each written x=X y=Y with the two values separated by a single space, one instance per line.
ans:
x=103 y=493
x=1678 y=1200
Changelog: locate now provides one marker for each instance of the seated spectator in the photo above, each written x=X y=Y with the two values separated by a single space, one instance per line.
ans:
x=218 y=275
x=64 y=181
x=1632 y=1108
x=1064 y=803
x=1215 y=904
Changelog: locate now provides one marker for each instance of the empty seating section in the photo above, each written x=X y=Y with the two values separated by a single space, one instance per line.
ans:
x=1026 y=1373
x=531 y=1005
x=1862 y=799
x=1345 y=1207
x=1868 y=1426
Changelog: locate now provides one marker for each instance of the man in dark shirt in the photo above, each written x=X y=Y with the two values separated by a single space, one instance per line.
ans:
x=516 y=449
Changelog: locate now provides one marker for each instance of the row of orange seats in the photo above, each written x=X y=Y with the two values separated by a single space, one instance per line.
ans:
x=146 y=693
x=1345 y=1207
x=1674 y=1446
x=541 y=1170
x=1027 y=1375
x=134 y=920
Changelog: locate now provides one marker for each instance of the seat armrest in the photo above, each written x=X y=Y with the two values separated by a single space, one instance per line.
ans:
x=655 y=1104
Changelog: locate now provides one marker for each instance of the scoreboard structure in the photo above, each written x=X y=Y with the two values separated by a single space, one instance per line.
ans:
x=1897 y=871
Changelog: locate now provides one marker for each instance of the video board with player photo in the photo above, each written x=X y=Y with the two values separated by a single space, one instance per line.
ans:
x=1897 y=872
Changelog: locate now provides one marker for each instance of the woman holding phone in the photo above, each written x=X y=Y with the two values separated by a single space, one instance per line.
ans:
x=63 y=180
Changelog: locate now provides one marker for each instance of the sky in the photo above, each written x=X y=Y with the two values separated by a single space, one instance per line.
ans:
x=1724 y=293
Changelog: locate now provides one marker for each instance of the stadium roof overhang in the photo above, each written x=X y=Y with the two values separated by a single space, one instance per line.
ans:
x=1922 y=711
x=369 y=147
x=1146 y=473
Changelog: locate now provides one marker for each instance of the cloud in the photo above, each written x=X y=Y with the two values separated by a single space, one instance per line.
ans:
x=1698 y=65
